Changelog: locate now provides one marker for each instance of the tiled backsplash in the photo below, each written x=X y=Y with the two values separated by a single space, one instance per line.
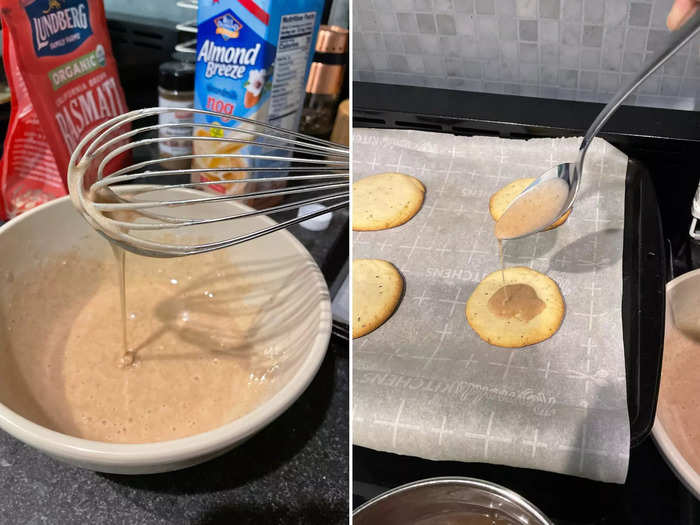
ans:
x=564 y=49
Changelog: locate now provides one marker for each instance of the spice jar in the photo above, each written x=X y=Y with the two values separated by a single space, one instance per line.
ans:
x=176 y=90
x=325 y=82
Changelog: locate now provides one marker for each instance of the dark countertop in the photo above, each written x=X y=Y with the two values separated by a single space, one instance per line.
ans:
x=293 y=471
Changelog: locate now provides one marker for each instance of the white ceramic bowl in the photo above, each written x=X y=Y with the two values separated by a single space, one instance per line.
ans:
x=55 y=228
x=682 y=290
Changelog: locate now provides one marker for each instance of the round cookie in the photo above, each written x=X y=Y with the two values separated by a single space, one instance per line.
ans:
x=376 y=290
x=513 y=332
x=385 y=200
x=500 y=200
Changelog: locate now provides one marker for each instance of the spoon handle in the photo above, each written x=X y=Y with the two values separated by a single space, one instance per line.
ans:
x=678 y=39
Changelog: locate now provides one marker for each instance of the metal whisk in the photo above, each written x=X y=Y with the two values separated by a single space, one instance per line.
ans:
x=115 y=190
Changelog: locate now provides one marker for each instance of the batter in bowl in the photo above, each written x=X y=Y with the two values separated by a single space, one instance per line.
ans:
x=193 y=328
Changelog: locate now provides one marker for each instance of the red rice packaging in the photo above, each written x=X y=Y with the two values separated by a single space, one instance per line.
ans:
x=64 y=82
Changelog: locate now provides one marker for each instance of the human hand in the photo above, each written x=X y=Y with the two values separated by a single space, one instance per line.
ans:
x=680 y=12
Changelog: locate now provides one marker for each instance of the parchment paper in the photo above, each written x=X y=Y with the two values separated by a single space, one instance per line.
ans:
x=424 y=383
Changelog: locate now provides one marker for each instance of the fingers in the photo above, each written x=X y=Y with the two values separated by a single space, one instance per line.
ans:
x=680 y=12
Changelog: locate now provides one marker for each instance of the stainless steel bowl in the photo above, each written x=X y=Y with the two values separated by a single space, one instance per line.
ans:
x=447 y=501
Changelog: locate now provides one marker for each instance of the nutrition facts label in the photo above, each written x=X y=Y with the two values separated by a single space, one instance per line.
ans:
x=287 y=96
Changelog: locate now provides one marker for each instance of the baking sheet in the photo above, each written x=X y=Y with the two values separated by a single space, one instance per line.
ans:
x=424 y=384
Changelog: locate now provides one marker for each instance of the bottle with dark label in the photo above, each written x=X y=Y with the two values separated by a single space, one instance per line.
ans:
x=325 y=82
x=176 y=90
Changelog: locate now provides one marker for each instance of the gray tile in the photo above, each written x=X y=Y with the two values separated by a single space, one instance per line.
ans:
x=659 y=12
x=367 y=20
x=568 y=78
x=492 y=70
x=443 y=5
x=361 y=61
x=549 y=54
x=398 y=63
x=366 y=76
x=379 y=61
x=484 y=7
x=473 y=85
x=549 y=9
x=387 y=22
x=569 y=57
x=473 y=69
x=393 y=43
x=505 y=8
x=608 y=82
x=631 y=62
x=549 y=92
x=455 y=83
x=528 y=52
x=611 y=60
x=464 y=24
x=487 y=27
x=657 y=39
x=528 y=30
x=454 y=67
x=549 y=31
x=690 y=87
x=446 y=24
x=594 y=11
x=424 y=5
x=402 y=5
x=464 y=6
x=571 y=10
x=509 y=51
x=416 y=63
x=426 y=23
x=587 y=96
x=694 y=66
x=411 y=43
x=651 y=85
x=469 y=47
x=430 y=44
x=675 y=65
x=528 y=91
x=566 y=94
x=592 y=36
x=528 y=73
x=639 y=14
x=636 y=39
x=511 y=89
x=451 y=46
x=509 y=71
x=488 y=49
x=570 y=34
x=526 y=8
x=549 y=75
x=588 y=80
x=378 y=6
x=590 y=58
x=670 y=86
x=615 y=12
x=434 y=66
x=507 y=29
x=494 y=87
x=374 y=42
x=407 y=22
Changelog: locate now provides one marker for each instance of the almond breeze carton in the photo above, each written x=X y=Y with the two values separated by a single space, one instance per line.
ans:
x=253 y=57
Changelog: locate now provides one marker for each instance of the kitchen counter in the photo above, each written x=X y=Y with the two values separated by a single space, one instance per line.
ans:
x=664 y=143
x=293 y=471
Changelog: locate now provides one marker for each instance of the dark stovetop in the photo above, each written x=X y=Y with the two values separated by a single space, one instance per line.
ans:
x=665 y=143
x=293 y=471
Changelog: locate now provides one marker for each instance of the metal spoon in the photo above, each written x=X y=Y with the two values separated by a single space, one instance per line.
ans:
x=571 y=172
